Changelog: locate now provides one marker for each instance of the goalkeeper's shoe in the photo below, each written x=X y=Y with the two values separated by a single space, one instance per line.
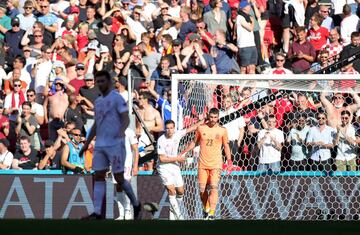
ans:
x=211 y=217
x=205 y=215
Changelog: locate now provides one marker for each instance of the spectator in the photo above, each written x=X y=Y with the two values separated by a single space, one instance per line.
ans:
x=296 y=139
x=280 y=59
x=270 y=142
x=161 y=77
x=41 y=72
x=78 y=82
x=90 y=92
x=346 y=144
x=6 y=156
x=55 y=106
x=51 y=159
x=349 y=24
x=338 y=105
x=352 y=49
x=327 y=21
x=246 y=40
x=317 y=35
x=5 y=22
x=70 y=158
x=22 y=74
x=224 y=54
x=334 y=46
x=104 y=35
x=27 y=19
x=139 y=70
x=13 y=40
x=14 y=99
x=90 y=17
x=321 y=139
x=25 y=158
x=323 y=62
x=106 y=61
x=121 y=86
x=216 y=18
x=134 y=22
x=48 y=19
x=27 y=124
x=187 y=26
x=153 y=122
x=301 y=52
x=12 y=8
x=235 y=129
x=198 y=62
x=4 y=123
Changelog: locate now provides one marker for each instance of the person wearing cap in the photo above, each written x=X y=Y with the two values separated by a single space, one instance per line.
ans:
x=5 y=21
x=68 y=29
x=13 y=40
x=104 y=35
x=78 y=82
x=6 y=156
x=27 y=19
x=105 y=62
x=50 y=158
x=91 y=93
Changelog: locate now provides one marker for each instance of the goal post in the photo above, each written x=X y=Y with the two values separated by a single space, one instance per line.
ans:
x=325 y=187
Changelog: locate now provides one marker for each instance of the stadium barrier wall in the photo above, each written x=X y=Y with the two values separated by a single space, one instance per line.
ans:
x=245 y=195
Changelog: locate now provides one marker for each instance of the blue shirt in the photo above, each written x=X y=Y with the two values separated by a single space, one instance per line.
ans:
x=186 y=28
x=223 y=60
x=48 y=20
x=74 y=157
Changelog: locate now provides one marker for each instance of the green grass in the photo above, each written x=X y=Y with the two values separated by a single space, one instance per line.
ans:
x=159 y=227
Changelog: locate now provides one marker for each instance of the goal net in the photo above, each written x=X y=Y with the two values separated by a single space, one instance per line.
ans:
x=314 y=118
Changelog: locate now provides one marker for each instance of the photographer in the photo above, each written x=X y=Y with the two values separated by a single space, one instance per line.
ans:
x=139 y=70
x=71 y=160
x=26 y=124
x=161 y=77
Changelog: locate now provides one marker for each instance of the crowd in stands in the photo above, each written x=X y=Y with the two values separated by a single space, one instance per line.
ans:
x=51 y=49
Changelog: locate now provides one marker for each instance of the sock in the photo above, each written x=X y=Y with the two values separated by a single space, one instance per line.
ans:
x=130 y=193
x=120 y=196
x=204 y=198
x=179 y=199
x=99 y=193
x=212 y=212
x=127 y=205
x=213 y=198
x=174 y=204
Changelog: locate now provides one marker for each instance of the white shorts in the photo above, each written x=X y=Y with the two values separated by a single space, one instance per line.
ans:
x=111 y=155
x=171 y=175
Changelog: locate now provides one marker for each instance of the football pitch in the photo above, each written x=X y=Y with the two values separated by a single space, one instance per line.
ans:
x=159 y=227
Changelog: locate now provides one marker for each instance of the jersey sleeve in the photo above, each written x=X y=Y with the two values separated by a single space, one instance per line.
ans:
x=160 y=146
x=225 y=137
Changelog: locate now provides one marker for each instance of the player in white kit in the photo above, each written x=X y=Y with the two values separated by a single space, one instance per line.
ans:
x=168 y=165
x=130 y=169
x=111 y=121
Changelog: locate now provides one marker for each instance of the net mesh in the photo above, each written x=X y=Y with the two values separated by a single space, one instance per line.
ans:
x=302 y=184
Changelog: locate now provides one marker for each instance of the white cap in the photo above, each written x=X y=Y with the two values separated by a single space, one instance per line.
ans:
x=103 y=49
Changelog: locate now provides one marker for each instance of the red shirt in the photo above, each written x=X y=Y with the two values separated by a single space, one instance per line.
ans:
x=77 y=84
x=116 y=24
x=3 y=119
x=282 y=106
x=82 y=41
x=318 y=37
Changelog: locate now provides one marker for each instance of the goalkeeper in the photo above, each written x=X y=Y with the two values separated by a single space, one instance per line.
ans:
x=211 y=137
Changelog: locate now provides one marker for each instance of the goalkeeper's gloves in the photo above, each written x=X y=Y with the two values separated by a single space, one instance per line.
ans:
x=78 y=170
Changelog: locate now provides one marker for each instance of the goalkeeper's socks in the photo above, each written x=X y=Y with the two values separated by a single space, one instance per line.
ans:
x=99 y=193
x=211 y=212
x=130 y=193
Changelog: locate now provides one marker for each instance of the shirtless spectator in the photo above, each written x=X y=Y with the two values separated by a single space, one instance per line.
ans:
x=338 y=105
x=152 y=120
x=57 y=105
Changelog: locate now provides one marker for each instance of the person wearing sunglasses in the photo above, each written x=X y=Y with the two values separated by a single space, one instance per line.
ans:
x=27 y=19
x=73 y=162
x=280 y=60
x=346 y=144
x=320 y=140
x=13 y=40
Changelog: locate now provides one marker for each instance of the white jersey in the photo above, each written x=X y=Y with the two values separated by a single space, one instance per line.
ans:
x=169 y=146
x=130 y=139
x=108 y=119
